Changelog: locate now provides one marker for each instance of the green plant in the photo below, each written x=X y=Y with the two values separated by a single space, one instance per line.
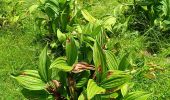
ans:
x=87 y=69
x=73 y=78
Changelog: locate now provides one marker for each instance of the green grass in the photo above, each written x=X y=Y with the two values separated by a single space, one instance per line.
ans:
x=159 y=86
x=17 y=52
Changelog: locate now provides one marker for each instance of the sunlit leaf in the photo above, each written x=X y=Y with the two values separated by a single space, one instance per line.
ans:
x=60 y=63
x=93 y=89
x=61 y=36
x=111 y=60
x=87 y=16
x=30 y=79
x=114 y=79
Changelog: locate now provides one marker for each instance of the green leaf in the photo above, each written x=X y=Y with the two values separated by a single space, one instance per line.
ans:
x=99 y=59
x=111 y=60
x=60 y=63
x=82 y=81
x=43 y=67
x=87 y=16
x=114 y=79
x=32 y=73
x=137 y=95
x=101 y=38
x=93 y=89
x=33 y=8
x=83 y=95
x=30 y=79
x=61 y=36
x=124 y=89
x=109 y=22
x=110 y=95
x=71 y=51
x=124 y=63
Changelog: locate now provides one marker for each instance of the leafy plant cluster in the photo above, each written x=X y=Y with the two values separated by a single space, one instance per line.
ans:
x=79 y=61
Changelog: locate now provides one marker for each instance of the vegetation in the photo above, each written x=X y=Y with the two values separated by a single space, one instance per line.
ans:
x=85 y=49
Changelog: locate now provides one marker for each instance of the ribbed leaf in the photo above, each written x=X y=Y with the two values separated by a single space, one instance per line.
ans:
x=114 y=79
x=87 y=16
x=30 y=79
x=54 y=8
x=60 y=63
x=43 y=67
x=83 y=80
x=111 y=60
x=106 y=96
x=83 y=95
x=109 y=22
x=32 y=73
x=124 y=89
x=99 y=59
x=138 y=95
x=71 y=51
x=101 y=38
x=124 y=63
x=93 y=89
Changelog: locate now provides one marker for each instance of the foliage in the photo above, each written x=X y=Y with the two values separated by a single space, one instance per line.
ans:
x=75 y=72
x=89 y=57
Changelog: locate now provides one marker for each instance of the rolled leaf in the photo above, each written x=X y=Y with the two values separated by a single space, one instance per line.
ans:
x=71 y=51
x=43 y=67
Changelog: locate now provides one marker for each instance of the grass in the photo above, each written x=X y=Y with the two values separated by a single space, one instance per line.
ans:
x=158 y=86
x=17 y=52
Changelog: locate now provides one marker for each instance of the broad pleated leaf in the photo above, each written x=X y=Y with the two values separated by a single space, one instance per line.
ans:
x=30 y=79
x=43 y=67
x=82 y=81
x=106 y=96
x=111 y=60
x=101 y=38
x=93 y=89
x=71 y=51
x=137 y=95
x=32 y=73
x=124 y=63
x=60 y=63
x=114 y=79
x=87 y=16
x=99 y=59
